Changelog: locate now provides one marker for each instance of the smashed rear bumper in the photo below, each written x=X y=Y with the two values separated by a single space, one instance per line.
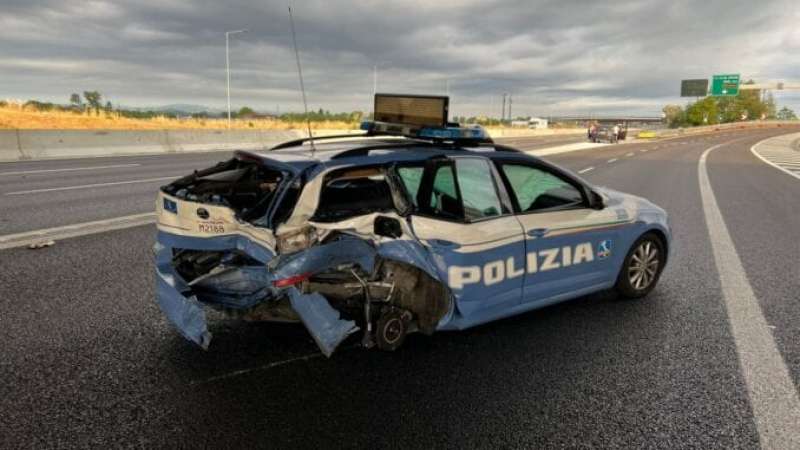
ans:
x=184 y=303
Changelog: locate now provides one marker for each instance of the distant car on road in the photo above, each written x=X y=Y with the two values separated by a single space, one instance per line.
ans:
x=408 y=228
x=610 y=134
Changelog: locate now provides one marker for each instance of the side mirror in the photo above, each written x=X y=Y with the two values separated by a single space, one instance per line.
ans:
x=387 y=227
x=596 y=200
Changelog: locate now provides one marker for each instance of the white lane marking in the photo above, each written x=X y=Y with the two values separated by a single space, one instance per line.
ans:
x=612 y=160
x=773 y=396
x=75 y=230
x=588 y=169
x=67 y=169
x=754 y=150
x=89 y=186
x=644 y=150
x=629 y=154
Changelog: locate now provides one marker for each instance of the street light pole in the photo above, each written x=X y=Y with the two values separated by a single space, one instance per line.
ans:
x=228 y=68
x=374 y=80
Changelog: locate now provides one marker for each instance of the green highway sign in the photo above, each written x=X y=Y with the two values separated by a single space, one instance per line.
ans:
x=725 y=85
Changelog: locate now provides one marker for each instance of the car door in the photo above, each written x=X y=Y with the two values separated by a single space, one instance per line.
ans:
x=465 y=219
x=568 y=244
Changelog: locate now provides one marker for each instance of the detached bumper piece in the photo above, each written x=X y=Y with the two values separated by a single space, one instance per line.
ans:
x=185 y=313
x=321 y=320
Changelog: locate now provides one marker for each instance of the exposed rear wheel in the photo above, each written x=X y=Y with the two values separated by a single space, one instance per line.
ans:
x=390 y=331
x=642 y=267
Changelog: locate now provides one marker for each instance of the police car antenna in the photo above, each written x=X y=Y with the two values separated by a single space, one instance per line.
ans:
x=300 y=74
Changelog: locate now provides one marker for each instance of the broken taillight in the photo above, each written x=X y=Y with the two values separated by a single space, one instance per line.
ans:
x=291 y=281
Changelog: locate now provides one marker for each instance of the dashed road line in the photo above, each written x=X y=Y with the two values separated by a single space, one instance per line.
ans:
x=773 y=396
x=588 y=169
x=89 y=186
x=612 y=160
x=67 y=169
x=79 y=229
x=629 y=154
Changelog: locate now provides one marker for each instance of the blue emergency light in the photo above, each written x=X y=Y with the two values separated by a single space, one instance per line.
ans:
x=449 y=133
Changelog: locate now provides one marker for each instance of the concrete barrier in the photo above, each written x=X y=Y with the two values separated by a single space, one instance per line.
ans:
x=9 y=145
x=16 y=145
x=674 y=132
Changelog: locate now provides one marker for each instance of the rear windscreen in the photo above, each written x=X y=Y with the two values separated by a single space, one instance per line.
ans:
x=246 y=187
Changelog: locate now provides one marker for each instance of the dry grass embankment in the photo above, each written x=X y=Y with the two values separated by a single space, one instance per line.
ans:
x=19 y=117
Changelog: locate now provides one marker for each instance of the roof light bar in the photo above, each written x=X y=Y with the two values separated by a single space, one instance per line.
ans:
x=476 y=132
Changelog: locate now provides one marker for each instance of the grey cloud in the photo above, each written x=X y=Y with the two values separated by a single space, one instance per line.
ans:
x=554 y=56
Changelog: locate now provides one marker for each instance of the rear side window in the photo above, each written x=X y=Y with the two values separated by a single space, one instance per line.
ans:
x=477 y=189
x=463 y=189
x=353 y=193
x=538 y=190
x=445 y=197
x=412 y=178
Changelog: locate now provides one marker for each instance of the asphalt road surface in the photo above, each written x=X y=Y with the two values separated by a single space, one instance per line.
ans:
x=89 y=360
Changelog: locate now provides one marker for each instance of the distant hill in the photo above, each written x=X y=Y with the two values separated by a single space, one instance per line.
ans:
x=176 y=108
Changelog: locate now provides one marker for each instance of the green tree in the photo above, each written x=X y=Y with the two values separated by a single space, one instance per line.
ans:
x=93 y=99
x=786 y=114
x=245 y=111
x=75 y=101
x=703 y=112
x=674 y=116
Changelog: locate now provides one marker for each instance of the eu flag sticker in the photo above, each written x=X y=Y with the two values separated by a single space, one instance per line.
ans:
x=170 y=206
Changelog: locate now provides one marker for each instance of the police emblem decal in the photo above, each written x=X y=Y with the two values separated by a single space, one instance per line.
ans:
x=604 y=249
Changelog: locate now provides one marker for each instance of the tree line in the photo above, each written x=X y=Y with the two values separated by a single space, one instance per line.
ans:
x=91 y=102
x=748 y=105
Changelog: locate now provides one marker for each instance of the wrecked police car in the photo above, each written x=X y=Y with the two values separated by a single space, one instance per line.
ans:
x=410 y=227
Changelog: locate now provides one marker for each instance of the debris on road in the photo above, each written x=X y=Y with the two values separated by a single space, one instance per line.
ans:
x=41 y=244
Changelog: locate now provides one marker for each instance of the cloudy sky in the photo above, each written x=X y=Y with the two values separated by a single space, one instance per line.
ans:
x=554 y=57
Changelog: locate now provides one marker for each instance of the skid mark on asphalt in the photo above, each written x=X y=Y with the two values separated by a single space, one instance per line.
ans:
x=773 y=396
x=228 y=375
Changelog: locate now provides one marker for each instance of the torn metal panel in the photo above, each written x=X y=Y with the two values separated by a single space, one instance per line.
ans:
x=322 y=321
x=235 y=287
x=344 y=250
x=253 y=248
x=186 y=313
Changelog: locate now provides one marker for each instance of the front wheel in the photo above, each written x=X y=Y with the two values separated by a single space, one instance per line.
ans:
x=642 y=267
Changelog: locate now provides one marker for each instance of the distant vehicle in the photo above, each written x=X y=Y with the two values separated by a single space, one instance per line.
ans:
x=606 y=134
x=532 y=123
x=415 y=226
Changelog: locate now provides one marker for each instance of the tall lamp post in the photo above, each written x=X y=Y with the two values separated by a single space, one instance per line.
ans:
x=375 y=76
x=228 y=67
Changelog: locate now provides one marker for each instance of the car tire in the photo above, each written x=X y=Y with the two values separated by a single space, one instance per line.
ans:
x=390 y=331
x=642 y=267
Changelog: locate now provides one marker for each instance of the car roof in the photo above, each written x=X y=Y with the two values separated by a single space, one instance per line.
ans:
x=371 y=150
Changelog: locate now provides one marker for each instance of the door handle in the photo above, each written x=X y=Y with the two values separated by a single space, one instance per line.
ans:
x=443 y=243
x=537 y=232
